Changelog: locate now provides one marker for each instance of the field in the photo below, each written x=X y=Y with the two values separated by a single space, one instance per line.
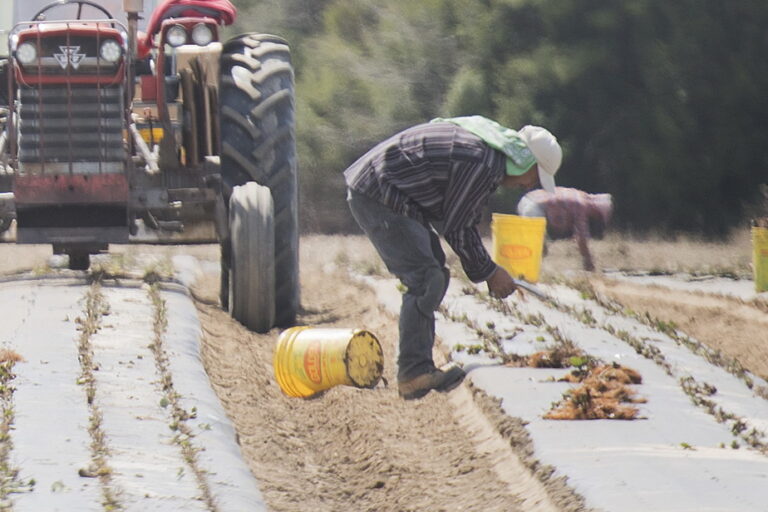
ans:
x=486 y=445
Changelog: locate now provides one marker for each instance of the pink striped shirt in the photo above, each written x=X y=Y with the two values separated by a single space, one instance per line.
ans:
x=568 y=211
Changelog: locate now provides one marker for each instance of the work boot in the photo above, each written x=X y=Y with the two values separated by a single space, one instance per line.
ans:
x=437 y=379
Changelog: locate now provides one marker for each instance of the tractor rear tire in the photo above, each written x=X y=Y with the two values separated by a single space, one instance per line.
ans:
x=258 y=143
x=252 y=259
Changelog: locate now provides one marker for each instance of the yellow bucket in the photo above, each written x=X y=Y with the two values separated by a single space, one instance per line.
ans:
x=518 y=243
x=309 y=360
x=760 y=257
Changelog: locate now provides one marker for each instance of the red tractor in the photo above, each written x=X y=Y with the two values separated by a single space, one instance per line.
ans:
x=111 y=135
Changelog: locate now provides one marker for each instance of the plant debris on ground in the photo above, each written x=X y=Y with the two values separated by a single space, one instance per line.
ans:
x=603 y=394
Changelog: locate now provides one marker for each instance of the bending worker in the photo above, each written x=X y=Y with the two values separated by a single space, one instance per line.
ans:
x=570 y=213
x=440 y=175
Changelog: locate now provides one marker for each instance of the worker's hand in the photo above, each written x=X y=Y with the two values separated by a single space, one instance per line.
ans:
x=501 y=284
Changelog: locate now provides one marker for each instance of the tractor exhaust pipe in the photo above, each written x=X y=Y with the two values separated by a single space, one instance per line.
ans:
x=132 y=10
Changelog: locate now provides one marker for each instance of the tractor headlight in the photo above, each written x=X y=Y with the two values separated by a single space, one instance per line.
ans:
x=26 y=53
x=110 y=50
x=176 y=36
x=202 y=34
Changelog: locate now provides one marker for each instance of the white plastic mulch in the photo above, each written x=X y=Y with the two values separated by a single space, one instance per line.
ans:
x=52 y=430
x=677 y=458
x=743 y=289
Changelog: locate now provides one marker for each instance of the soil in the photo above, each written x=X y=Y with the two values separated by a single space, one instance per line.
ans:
x=348 y=446
x=727 y=324
x=369 y=450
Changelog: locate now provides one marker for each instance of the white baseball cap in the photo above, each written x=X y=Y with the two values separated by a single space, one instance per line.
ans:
x=546 y=150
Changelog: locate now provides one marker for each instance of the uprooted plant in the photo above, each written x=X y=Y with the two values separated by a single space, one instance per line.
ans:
x=602 y=394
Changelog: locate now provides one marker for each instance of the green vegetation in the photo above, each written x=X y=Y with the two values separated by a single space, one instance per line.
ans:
x=659 y=103
x=171 y=400
x=95 y=308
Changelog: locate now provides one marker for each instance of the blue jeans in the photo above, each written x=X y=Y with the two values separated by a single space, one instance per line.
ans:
x=412 y=252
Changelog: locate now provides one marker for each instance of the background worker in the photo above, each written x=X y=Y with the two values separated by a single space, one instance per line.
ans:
x=440 y=175
x=570 y=213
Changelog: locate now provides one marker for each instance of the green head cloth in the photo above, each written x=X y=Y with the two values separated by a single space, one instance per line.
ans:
x=508 y=141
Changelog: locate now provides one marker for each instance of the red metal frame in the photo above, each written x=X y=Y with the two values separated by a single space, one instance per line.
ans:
x=70 y=29
x=222 y=11
x=107 y=188
x=77 y=28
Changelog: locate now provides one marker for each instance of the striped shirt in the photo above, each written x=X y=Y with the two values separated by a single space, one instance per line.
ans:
x=436 y=173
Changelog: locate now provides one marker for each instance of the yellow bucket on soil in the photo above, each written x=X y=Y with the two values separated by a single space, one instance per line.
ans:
x=518 y=243
x=308 y=360
x=760 y=257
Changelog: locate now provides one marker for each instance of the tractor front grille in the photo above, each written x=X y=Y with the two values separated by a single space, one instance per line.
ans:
x=69 y=55
x=71 y=129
